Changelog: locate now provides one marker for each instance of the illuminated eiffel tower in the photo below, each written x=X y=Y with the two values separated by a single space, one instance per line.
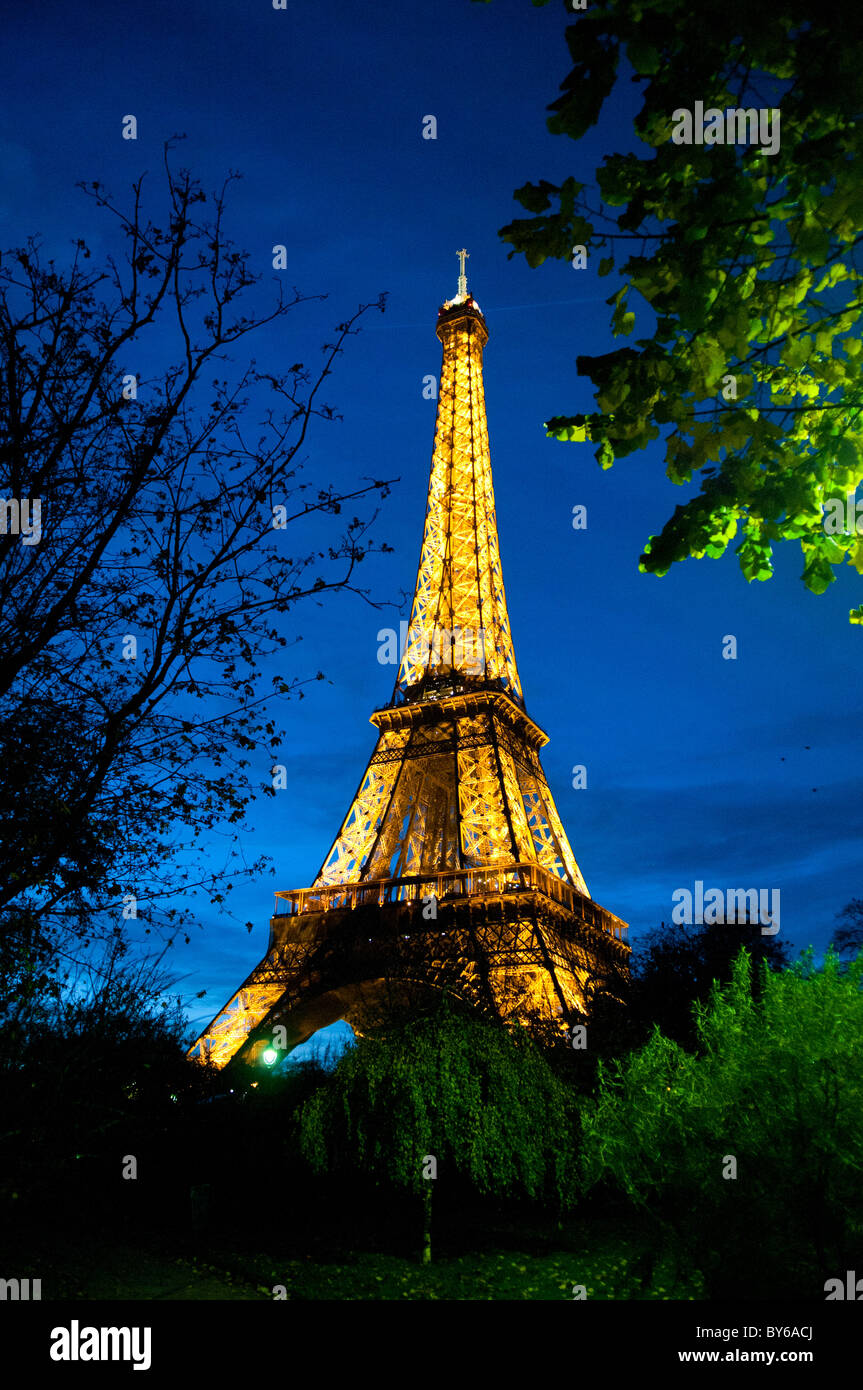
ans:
x=452 y=869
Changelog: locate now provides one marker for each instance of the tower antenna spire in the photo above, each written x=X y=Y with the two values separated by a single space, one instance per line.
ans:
x=462 y=279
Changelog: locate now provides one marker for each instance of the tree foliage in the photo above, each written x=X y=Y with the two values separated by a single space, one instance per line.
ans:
x=88 y=1071
x=740 y=268
x=481 y=1102
x=674 y=969
x=777 y=1088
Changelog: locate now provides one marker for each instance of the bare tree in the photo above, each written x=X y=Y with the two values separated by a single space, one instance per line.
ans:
x=158 y=527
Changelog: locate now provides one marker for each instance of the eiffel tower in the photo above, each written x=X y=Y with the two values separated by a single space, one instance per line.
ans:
x=452 y=869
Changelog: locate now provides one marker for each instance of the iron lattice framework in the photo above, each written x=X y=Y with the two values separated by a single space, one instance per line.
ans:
x=452 y=868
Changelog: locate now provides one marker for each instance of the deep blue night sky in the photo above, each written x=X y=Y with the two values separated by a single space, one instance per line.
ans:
x=320 y=107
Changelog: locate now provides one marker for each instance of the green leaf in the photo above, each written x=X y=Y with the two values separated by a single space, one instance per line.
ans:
x=643 y=57
x=574 y=429
x=535 y=196
x=848 y=456
x=818 y=575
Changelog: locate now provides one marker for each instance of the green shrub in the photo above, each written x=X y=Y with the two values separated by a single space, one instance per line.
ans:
x=777 y=1097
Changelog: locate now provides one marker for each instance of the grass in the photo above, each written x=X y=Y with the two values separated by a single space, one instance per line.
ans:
x=611 y=1260
x=489 y=1276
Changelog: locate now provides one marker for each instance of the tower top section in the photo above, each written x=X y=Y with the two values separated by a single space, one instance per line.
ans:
x=458 y=639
